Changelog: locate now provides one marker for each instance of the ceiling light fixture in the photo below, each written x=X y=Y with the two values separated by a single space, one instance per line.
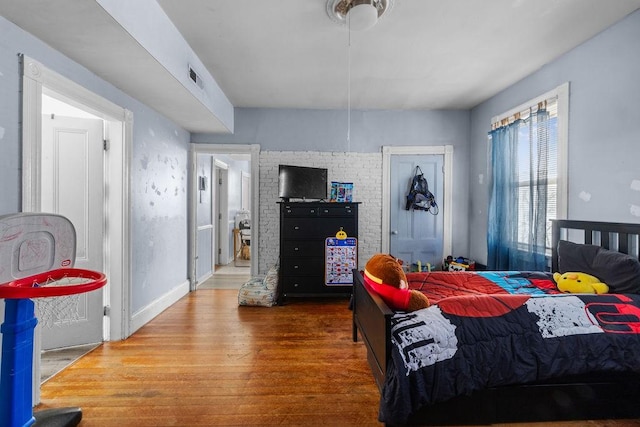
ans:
x=361 y=14
x=358 y=15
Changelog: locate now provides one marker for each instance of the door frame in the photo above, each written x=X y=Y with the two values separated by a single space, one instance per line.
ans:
x=446 y=207
x=221 y=213
x=37 y=78
x=203 y=148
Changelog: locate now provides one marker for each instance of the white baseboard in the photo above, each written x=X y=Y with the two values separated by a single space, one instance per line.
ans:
x=205 y=277
x=148 y=313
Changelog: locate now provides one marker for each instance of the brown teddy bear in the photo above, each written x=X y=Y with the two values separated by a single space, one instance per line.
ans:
x=385 y=276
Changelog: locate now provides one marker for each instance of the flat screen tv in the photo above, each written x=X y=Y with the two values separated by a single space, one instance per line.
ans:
x=301 y=182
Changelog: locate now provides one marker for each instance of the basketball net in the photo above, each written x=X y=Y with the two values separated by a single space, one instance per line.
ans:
x=63 y=310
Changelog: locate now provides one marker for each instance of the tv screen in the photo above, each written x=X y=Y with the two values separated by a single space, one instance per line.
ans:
x=300 y=182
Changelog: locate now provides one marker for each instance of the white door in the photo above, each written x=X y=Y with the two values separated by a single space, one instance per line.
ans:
x=416 y=235
x=72 y=181
x=246 y=192
x=217 y=218
x=224 y=241
x=205 y=260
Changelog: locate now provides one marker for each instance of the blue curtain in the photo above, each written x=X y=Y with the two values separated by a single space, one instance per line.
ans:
x=517 y=226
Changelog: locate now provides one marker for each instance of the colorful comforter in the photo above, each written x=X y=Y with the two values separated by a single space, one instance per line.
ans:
x=491 y=329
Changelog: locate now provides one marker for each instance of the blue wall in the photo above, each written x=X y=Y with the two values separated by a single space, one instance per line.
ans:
x=326 y=130
x=158 y=167
x=604 y=129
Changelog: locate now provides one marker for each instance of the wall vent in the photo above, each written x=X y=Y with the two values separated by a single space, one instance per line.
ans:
x=195 y=77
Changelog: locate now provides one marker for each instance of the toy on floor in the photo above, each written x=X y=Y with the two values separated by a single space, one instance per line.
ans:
x=385 y=276
x=37 y=253
x=579 y=283
x=260 y=291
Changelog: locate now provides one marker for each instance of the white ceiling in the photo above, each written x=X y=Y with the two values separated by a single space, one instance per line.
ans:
x=422 y=54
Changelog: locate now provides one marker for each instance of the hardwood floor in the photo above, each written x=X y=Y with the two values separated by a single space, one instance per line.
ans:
x=207 y=362
x=227 y=276
x=54 y=361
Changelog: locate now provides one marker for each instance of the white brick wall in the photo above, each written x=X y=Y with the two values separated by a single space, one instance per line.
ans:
x=363 y=169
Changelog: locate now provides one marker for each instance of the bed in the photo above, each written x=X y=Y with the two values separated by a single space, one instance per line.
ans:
x=558 y=376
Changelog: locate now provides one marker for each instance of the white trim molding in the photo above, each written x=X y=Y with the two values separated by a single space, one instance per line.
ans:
x=38 y=79
x=201 y=148
x=562 y=202
x=148 y=313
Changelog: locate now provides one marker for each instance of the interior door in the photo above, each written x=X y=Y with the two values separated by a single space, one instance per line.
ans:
x=73 y=186
x=225 y=223
x=206 y=231
x=416 y=235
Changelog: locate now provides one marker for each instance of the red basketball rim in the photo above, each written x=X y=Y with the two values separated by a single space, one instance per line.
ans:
x=35 y=286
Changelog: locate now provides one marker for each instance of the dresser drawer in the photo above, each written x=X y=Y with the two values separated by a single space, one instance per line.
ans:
x=310 y=285
x=293 y=211
x=302 y=266
x=302 y=248
x=302 y=284
x=337 y=210
x=316 y=228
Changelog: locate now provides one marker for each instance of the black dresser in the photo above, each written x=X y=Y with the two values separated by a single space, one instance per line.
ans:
x=304 y=228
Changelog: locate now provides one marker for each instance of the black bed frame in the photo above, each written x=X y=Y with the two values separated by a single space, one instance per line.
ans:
x=575 y=398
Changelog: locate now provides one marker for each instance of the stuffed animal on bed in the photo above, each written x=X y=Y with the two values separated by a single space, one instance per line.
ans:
x=579 y=283
x=385 y=276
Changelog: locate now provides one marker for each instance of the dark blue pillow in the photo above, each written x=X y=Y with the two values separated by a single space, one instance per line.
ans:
x=621 y=272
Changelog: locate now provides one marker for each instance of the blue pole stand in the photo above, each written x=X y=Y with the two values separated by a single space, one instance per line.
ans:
x=16 y=391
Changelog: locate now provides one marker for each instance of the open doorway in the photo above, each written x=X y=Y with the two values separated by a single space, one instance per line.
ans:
x=222 y=223
x=115 y=136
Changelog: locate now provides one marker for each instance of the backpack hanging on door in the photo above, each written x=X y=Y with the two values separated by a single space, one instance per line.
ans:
x=419 y=197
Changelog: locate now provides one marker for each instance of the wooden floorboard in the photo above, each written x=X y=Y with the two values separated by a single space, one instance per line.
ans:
x=207 y=362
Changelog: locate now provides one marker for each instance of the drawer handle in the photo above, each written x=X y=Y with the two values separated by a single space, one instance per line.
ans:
x=296 y=228
x=295 y=285
x=296 y=249
x=295 y=267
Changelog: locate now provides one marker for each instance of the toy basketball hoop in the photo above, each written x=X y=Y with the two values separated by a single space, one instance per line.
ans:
x=65 y=284
x=37 y=253
x=54 y=283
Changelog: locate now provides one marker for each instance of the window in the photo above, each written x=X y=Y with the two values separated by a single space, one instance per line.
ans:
x=528 y=148
x=537 y=169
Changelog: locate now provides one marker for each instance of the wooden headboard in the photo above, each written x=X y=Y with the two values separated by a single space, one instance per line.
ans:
x=618 y=237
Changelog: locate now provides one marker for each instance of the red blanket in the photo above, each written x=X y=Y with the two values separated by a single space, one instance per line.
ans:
x=439 y=285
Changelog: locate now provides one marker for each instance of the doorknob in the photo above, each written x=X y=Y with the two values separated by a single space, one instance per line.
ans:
x=394 y=232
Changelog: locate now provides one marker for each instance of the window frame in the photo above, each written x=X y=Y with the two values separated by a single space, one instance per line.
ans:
x=562 y=94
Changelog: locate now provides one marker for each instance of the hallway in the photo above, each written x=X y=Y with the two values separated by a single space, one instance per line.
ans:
x=228 y=276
